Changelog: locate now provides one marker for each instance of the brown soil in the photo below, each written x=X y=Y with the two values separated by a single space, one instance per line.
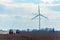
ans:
x=42 y=36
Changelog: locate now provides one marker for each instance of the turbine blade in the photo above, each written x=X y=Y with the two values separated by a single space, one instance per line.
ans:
x=43 y=16
x=40 y=15
x=35 y=17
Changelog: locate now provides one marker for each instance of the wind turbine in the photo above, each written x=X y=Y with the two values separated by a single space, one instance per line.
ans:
x=39 y=16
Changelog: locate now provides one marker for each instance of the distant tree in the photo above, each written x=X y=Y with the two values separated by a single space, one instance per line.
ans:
x=17 y=31
x=10 y=31
x=53 y=30
x=28 y=30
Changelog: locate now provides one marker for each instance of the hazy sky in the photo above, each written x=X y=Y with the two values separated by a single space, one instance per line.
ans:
x=17 y=14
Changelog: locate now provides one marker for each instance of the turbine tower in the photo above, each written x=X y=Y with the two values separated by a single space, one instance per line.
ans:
x=39 y=16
